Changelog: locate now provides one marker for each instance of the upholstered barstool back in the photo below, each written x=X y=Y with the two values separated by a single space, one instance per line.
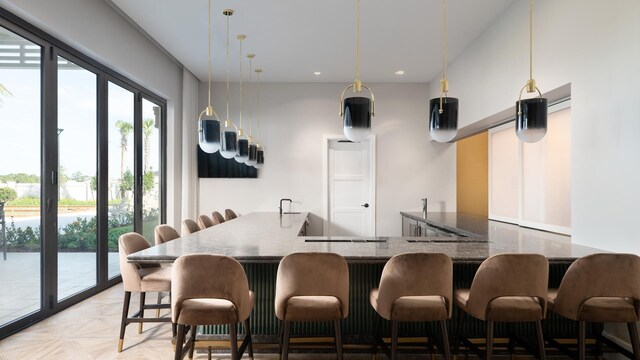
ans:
x=204 y=221
x=615 y=277
x=217 y=218
x=503 y=278
x=312 y=287
x=414 y=287
x=600 y=288
x=229 y=214
x=412 y=276
x=210 y=289
x=308 y=275
x=506 y=288
x=164 y=233
x=189 y=226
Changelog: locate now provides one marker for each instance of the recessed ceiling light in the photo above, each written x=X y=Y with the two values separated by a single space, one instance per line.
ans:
x=316 y=73
x=400 y=72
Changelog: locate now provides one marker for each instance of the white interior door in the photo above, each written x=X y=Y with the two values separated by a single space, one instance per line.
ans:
x=351 y=202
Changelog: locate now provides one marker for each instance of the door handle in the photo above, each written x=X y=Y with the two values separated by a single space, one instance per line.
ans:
x=365 y=205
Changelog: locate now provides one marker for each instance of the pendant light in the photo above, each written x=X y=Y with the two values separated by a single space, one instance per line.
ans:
x=443 y=111
x=356 y=111
x=531 y=114
x=208 y=122
x=243 y=141
x=259 y=148
x=228 y=137
x=251 y=161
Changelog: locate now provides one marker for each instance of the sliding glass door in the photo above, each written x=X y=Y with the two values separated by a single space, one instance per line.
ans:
x=20 y=178
x=82 y=163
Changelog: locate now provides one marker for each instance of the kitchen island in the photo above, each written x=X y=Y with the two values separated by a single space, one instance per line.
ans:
x=259 y=240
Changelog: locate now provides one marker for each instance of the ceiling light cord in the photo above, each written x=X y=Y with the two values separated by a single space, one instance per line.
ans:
x=531 y=39
x=228 y=68
x=249 y=95
x=258 y=116
x=241 y=38
x=444 y=84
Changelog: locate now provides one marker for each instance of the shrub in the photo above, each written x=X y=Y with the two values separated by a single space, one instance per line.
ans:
x=7 y=194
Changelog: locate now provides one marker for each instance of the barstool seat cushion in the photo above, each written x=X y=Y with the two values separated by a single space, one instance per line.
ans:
x=414 y=308
x=313 y=308
x=208 y=311
x=155 y=279
x=504 y=308
x=602 y=308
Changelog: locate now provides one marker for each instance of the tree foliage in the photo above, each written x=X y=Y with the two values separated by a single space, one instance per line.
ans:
x=20 y=178
x=7 y=194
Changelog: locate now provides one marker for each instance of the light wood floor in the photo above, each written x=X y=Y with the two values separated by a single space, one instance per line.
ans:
x=90 y=329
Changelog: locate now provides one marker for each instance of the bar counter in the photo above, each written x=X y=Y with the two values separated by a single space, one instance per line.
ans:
x=259 y=240
x=266 y=237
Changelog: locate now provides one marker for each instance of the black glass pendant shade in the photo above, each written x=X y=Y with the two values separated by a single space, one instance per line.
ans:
x=357 y=118
x=259 y=158
x=443 y=127
x=531 y=119
x=243 y=150
x=252 y=155
x=209 y=135
x=229 y=144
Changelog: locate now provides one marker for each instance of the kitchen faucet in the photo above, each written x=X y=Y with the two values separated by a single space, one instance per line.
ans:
x=281 y=200
x=424 y=208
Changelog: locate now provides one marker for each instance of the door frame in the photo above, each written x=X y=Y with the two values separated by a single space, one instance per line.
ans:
x=325 y=181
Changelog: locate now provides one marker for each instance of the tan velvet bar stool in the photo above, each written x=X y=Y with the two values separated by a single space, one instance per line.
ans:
x=229 y=214
x=204 y=221
x=311 y=287
x=217 y=217
x=600 y=288
x=164 y=233
x=210 y=290
x=414 y=287
x=189 y=226
x=506 y=288
x=142 y=279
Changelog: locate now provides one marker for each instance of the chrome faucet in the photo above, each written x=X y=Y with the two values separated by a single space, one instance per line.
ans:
x=281 y=200
x=424 y=208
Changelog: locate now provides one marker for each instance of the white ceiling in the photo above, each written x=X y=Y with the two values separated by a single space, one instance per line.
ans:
x=294 y=38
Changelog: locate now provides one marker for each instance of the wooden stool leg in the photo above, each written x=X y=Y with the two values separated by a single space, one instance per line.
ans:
x=179 y=342
x=125 y=314
x=338 y=340
x=394 y=340
x=141 y=316
x=194 y=330
x=159 y=302
x=445 y=340
x=374 y=341
x=489 y=352
x=233 y=339
x=541 y=352
x=635 y=342
x=458 y=336
x=581 y=340
x=247 y=335
x=286 y=328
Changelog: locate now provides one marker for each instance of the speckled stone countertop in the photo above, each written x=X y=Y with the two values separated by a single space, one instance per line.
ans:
x=267 y=237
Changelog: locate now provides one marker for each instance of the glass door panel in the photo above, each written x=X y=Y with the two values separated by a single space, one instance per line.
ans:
x=77 y=179
x=20 y=241
x=151 y=123
x=121 y=170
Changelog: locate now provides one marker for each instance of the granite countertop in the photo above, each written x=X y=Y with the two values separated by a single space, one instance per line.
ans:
x=268 y=236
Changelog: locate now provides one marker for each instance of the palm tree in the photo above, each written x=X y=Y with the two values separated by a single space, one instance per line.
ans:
x=147 y=128
x=125 y=129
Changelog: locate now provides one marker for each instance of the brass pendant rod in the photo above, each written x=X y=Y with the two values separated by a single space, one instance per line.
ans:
x=241 y=38
x=250 y=56
x=357 y=40
x=209 y=43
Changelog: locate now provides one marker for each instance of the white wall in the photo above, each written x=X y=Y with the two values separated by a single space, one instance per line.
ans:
x=595 y=46
x=97 y=30
x=296 y=116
